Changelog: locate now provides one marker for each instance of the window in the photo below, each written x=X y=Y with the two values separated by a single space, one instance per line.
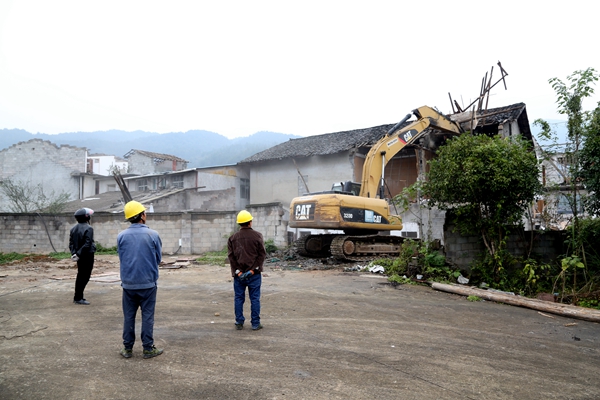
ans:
x=245 y=189
x=142 y=185
x=178 y=181
x=564 y=205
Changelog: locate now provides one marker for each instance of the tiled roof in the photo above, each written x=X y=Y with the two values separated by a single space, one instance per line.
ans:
x=332 y=143
x=157 y=156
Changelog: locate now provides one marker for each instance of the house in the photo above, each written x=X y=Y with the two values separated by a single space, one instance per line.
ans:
x=42 y=164
x=222 y=188
x=554 y=210
x=101 y=164
x=314 y=163
x=146 y=162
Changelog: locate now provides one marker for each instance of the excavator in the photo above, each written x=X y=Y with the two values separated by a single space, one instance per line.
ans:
x=361 y=211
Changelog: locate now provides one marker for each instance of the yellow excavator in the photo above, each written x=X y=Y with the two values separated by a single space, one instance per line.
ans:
x=361 y=210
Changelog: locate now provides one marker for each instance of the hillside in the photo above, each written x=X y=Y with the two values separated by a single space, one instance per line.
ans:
x=200 y=148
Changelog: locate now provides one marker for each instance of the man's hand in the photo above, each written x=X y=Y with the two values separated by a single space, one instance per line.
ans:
x=74 y=257
x=246 y=275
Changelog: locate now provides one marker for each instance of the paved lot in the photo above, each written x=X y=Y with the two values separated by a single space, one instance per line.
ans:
x=328 y=335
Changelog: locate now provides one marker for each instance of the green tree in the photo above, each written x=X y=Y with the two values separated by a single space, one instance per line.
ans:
x=590 y=162
x=583 y=141
x=488 y=183
x=580 y=266
x=23 y=197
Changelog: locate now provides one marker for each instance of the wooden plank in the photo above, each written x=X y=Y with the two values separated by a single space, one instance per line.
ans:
x=565 y=310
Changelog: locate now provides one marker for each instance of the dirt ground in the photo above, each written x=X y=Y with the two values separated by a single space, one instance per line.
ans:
x=328 y=334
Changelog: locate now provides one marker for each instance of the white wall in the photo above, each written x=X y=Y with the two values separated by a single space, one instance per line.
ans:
x=103 y=164
x=277 y=181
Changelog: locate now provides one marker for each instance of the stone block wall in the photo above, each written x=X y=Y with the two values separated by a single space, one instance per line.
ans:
x=198 y=232
x=462 y=251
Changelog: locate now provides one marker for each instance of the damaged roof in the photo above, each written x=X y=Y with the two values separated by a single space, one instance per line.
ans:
x=332 y=143
x=157 y=157
x=329 y=143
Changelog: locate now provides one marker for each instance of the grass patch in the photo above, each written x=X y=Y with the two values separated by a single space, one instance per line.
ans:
x=61 y=255
x=214 y=258
x=9 y=257
x=105 y=250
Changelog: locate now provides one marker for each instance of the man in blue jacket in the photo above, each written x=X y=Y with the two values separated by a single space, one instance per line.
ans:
x=140 y=253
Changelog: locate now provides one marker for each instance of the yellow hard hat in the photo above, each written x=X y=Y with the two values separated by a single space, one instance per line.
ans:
x=133 y=208
x=243 y=217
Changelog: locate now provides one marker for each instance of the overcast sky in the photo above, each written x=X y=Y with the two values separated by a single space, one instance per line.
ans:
x=296 y=67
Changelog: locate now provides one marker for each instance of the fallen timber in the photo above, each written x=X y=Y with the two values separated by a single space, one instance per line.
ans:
x=565 y=310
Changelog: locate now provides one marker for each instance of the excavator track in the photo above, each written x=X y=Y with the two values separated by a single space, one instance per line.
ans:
x=314 y=245
x=347 y=247
x=365 y=248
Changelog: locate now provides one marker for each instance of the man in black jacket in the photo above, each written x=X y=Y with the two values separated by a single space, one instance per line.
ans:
x=246 y=253
x=82 y=246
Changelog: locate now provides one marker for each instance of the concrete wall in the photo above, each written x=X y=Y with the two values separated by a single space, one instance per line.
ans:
x=462 y=251
x=278 y=180
x=42 y=162
x=199 y=232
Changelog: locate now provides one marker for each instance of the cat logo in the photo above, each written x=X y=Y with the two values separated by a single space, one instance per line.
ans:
x=303 y=212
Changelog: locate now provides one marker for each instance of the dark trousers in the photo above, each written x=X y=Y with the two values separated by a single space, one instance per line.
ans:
x=132 y=300
x=85 y=264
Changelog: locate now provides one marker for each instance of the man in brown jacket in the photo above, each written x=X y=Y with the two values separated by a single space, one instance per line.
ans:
x=246 y=253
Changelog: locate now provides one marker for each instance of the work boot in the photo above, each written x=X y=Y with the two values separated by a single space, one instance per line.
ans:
x=152 y=352
x=239 y=327
x=127 y=353
x=257 y=327
x=82 y=301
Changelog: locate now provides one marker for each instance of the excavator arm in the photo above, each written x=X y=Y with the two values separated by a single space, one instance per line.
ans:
x=394 y=141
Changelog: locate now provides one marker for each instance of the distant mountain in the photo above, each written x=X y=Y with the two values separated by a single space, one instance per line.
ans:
x=200 y=148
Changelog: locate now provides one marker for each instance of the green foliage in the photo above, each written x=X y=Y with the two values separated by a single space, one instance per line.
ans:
x=505 y=272
x=5 y=258
x=473 y=298
x=60 y=255
x=105 y=250
x=487 y=183
x=400 y=280
x=589 y=303
x=418 y=258
x=214 y=258
x=589 y=158
x=578 y=273
x=270 y=246
x=24 y=197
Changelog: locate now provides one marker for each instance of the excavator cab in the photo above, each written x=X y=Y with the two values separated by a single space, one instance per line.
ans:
x=348 y=187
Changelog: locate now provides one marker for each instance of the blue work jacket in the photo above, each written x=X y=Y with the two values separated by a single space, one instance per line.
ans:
x=140 y=253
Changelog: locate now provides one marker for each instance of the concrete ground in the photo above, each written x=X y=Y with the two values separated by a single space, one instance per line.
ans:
x=327 y=334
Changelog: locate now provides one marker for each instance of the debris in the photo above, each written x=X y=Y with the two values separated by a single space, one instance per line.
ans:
x=376 y=269
x=545 y=315
x=571 y=324
x=217 y=314
x=462 y=280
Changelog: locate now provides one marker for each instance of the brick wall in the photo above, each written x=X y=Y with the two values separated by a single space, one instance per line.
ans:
x=199 y=231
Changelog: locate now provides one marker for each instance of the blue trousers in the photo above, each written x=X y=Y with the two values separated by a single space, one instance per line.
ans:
x=145 y=299
x=239 y=288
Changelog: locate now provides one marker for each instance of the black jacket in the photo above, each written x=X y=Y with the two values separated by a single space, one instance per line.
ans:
x=81 y=239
